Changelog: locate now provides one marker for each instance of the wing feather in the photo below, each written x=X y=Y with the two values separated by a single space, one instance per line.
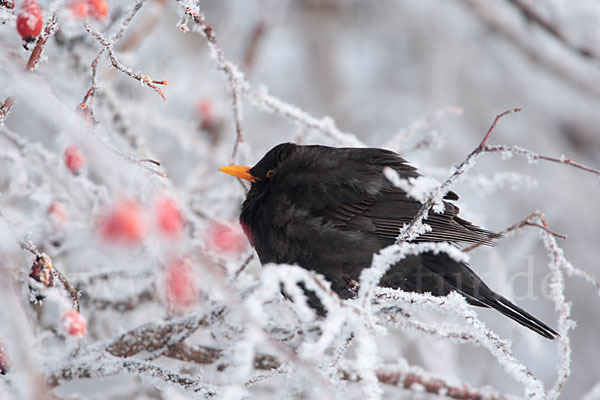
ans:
x=384 y=213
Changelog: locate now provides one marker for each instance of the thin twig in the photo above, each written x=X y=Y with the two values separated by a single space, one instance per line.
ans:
x=531 y=156
x=49 y=29
x=438 y=386
x=244 y=265
x=26 y=244
x=234 y=76
x=5 y=107
x=411 y=231
x=90 y=93
x=527 y=221
x=144 y=79
x=260 y=96
x=70 y=289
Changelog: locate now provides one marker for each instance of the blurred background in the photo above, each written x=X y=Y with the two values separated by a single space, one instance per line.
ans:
x=424 y=78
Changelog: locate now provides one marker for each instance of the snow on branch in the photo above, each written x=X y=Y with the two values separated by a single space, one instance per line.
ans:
x=435 y=198
x=388 y=256
x=42 y=269
x=143 y=79
x=472 y=330
x=532 y=157
x=185 y=306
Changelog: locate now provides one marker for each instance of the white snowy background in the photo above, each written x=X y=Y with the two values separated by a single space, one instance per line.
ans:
x=425 y=78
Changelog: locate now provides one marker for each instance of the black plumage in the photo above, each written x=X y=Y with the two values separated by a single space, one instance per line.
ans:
x=330 y=209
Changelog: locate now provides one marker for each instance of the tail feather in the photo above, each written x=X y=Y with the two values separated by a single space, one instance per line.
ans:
x=524 y=318
x=517 y=314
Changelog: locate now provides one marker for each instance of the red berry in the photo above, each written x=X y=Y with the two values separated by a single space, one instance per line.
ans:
x=74 y=323
x=182 y=291
x=226 y=238
x=170 y=221
x=57 y=213
x=30 y=20
x=98 y=8
x=74 y=159
x=205 y=108
x=123 y=223
x=206 y=112
x=79 y=8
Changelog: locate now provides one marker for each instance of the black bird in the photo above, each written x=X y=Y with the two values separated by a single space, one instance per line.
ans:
x=330 y=209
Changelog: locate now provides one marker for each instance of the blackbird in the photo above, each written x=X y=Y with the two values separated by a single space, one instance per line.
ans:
x=330 y=209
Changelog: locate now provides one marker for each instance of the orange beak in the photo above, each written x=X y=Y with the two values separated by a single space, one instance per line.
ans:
x=239 y=171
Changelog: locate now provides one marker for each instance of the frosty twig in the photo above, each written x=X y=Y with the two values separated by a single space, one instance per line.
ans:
x=144 y=79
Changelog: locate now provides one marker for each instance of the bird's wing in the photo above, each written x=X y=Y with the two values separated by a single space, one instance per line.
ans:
x=385 y=212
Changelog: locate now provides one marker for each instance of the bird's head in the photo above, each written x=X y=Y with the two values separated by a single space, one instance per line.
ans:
x=256 y=212
x=266 y=168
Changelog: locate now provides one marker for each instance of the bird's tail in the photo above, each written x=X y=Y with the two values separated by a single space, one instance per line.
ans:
x=517 y=314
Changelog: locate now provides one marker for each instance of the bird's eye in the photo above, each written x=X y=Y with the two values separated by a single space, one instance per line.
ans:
x=269 y=173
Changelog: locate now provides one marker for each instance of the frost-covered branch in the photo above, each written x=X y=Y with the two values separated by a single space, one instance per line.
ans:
x=415 y=227
x=471 y=330
x=143 y=79
x=42 y=265
x=177 y=307
x=260 y=96
x=5 y=108
x=49 y=29
x=508 y=151
x=113 y=40
x=529 y=220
